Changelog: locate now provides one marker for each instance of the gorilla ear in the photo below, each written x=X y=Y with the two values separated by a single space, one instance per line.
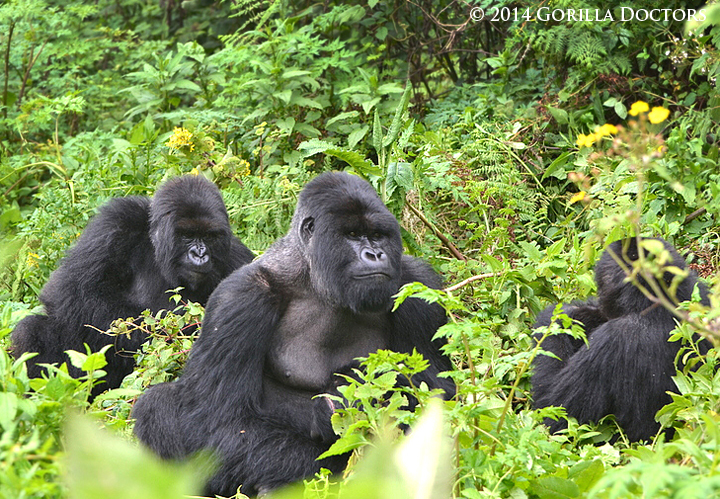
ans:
x=306 y=229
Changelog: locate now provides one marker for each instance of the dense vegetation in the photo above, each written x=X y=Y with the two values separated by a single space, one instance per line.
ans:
x=491 y=141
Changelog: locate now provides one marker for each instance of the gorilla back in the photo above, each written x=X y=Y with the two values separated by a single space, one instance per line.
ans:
x=278 y=330
x=627 y=366
x=129 y=255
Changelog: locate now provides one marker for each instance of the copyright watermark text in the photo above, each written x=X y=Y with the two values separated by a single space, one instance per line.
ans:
x=623 y=14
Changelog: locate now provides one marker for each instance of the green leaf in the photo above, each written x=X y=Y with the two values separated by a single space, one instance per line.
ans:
x=556 y=167
x=531 y=250
x=294 y=72
x=8 y=410
x=620 y=110
x=560 y=115
x=586 y=473
x=399 y=174
x=356 y=161
x=314 y=146
x=284 y=96
x=345 y=444
x=357 y=135
x=369 y=104
x=554 y=487
x=188 y=85
x=305 y=102
x=342 y=116
x=398 y=118
x=126 y=469
x=377 y=133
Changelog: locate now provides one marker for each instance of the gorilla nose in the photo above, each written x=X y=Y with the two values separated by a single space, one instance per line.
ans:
x=198 y=255
x=373 y=257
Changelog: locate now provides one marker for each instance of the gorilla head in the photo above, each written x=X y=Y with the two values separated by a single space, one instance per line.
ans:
x=350 y=241
x=617 y=296
x=190 y=232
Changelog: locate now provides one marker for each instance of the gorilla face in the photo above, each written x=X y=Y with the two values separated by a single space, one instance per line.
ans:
x=352 y=244
x=190 y=232
x=199 y=244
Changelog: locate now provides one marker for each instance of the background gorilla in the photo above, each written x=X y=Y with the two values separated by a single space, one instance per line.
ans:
x=129 y=255
x=277 y=330
x=627 y=366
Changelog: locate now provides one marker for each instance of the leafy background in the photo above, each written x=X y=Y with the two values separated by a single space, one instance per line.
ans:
x=468 y=130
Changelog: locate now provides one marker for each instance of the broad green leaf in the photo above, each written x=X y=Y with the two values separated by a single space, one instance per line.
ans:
x=358 y=162
x=314 y=146
x=560 y=115
x=398 y=118
x=342 y=116
x=100 y=465
x=8 y=409
x=554 y=487
x=357 y=135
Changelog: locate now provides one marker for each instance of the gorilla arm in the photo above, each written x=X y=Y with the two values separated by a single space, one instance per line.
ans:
x=222 y=381
x=564 y=346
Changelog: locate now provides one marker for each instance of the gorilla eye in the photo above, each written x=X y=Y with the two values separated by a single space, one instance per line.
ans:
x=352 y=233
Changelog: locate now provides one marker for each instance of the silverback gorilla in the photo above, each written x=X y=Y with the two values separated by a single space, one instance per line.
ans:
x=275 y=333
x=124 y=262
x=627 y=365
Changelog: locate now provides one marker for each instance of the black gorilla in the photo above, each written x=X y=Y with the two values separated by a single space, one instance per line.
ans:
x=627 y=365
x=275 y=333
x=129 y=255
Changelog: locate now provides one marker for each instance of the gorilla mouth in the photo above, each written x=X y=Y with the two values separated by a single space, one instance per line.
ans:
x=372 y=275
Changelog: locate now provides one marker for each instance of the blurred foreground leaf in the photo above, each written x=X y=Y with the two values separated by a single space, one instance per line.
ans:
x=103 y=466
x=420 y=467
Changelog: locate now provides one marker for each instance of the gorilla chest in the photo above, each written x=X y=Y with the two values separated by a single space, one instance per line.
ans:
x=314 y=341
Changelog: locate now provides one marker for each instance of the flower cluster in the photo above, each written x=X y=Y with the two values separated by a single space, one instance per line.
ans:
x=180 y=138
x=605 y=130
x=32 y=260
x=657 y=115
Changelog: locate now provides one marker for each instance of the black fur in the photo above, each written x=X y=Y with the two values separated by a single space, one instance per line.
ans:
x=276 y=332
x=130 y=254
x=626 y=368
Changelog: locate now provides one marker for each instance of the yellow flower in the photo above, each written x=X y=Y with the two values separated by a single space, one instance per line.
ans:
x=180 y=138
x=243 y=168
x=586 y=140
x=577 y=197
x=638 y=107
x=32 y=259
x=606 y=129
x=658 y=115
x=194 y=171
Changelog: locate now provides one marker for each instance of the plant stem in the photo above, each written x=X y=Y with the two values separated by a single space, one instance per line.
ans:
x=448 y=244
x=7 y=69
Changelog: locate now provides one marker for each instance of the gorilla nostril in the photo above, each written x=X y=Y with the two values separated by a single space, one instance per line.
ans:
x=371 y=256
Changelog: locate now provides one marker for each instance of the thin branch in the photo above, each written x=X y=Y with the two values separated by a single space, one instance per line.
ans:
x=692 y=216
x=448 y=244
x=7 y=69
x=469 y=280
x=31 y=63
